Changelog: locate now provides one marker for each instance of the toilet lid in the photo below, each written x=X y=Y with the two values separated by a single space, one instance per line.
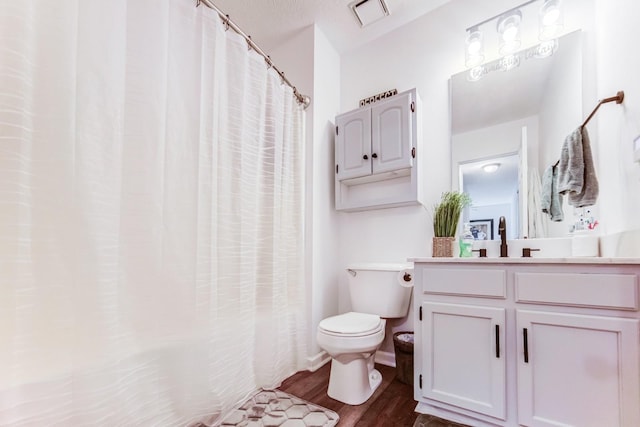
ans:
x=351 y=324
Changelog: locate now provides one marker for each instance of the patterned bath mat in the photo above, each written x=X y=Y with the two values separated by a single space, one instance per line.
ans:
x=274 y=408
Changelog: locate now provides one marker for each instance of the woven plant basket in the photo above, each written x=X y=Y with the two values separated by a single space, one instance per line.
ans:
x=443 y=247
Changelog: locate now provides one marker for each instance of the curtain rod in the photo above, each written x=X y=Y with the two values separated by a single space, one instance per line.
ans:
x=304 y=100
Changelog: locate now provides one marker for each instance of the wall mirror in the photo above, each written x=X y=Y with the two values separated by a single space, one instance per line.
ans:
x=516 y=120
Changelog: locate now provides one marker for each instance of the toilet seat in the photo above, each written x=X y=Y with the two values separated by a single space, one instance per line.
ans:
x=351 y=324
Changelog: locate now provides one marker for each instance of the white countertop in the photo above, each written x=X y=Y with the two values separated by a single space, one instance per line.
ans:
x=532 y=260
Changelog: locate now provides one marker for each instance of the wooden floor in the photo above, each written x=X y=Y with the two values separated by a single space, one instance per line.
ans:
x=392 y=403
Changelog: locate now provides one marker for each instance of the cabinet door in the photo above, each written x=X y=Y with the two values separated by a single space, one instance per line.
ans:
x=391 y=139
x=464 y=357
x=353 y=144
x=577 y=370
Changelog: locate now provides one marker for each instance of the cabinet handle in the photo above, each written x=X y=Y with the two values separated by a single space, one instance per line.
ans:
x=525 y=340
x=498 y=341
x=374 y=155
x=365 y=157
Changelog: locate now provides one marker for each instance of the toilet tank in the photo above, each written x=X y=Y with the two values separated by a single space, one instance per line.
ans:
x=381 y=289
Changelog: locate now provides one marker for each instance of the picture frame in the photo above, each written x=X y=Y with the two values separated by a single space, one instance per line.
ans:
x=482 y=229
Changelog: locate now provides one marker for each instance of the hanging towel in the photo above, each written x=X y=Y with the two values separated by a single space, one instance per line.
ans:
x=576 y=173
x=550 y=198
x=537 y=222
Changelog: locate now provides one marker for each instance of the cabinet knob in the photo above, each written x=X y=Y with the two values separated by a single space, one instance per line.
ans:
x=365 y=157
x=374 y=155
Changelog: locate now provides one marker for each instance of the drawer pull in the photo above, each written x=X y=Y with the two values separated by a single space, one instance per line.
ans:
x=525 y=339
x=498 y=341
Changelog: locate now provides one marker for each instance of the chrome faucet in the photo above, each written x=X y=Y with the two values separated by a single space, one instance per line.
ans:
x=502 y=229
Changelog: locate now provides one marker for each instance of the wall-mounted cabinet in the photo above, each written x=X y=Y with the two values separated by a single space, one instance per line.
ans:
x=376 y=154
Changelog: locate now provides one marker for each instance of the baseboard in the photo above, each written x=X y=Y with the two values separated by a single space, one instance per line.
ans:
x=386 y=358
x=318 y=361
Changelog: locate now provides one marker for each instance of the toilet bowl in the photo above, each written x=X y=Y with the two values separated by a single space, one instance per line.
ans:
x=351 y=339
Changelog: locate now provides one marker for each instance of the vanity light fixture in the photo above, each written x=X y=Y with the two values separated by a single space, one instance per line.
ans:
x=508 y=27
x=491 y=167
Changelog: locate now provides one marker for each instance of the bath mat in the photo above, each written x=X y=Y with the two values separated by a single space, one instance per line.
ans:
x=276 y=408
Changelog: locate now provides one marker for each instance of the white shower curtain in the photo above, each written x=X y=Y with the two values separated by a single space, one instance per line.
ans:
x=151 y=208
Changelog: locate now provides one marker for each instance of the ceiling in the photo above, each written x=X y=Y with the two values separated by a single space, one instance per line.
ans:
x=272 y=22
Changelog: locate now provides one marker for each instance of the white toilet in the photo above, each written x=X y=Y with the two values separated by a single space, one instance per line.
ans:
x=378 y=292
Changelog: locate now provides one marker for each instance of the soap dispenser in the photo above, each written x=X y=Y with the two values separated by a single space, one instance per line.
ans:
x=466 y=242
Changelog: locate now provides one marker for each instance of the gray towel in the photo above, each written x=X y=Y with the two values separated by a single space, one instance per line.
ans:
x=576 y=173
x=550 y=199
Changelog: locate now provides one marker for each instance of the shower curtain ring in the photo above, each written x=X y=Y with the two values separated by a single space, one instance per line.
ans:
x=225 y=20
x=197 y=3
x=268 y=61
x=249 y=43
x=281 y=78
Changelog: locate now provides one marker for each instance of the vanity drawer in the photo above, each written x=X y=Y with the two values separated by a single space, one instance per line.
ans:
x=488 y=283
x=615 y=291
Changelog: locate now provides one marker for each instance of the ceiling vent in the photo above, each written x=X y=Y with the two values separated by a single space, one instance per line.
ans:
x=369 y=11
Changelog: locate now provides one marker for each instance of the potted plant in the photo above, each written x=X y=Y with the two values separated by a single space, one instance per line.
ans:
x=446 y=215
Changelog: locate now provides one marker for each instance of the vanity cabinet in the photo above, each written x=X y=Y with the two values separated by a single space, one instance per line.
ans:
x=539 y=343
x=576 y=370
x=463 y=350
x=376 y=150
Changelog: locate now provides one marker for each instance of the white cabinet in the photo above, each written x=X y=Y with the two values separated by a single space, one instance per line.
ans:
x=353 y=144
x=463 y=350
x=375 y=154
x=577 y=370
x=524 y=344
x=376 y=139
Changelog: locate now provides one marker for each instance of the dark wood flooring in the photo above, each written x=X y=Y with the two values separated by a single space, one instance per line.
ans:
x=391 y=405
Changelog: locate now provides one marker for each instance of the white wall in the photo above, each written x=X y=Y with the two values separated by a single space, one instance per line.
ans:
x=314 y=66
x=615 y=126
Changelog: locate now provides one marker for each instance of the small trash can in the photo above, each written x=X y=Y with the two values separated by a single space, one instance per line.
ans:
x=403 y=346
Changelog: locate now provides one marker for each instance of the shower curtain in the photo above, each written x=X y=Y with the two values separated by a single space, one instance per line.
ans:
x=151 y=216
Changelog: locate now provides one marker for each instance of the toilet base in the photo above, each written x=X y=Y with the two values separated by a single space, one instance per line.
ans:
x=353 y=379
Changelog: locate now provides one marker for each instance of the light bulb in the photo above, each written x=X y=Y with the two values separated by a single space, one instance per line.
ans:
x=550 y=20
x=474 y=54
x=474 y=47
x=510 y=33
x=551 y=17
x=508 y=28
